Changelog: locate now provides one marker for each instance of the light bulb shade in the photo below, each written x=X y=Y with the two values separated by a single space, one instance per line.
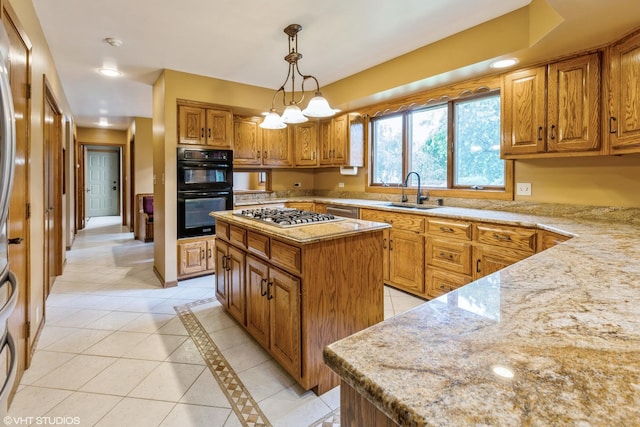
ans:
x=318 y=107
x=272 y=121
x=292 y=115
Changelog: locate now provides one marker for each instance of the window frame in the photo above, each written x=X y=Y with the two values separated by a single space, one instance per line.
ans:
x=451 y=190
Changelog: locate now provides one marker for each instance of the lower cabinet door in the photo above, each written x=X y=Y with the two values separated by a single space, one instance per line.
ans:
x=257 y=302
x=406 y=261
x=283 y=293
x=235 y=288
x=221 y=272
x=192 y=257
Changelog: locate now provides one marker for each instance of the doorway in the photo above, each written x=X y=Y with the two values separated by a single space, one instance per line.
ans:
x=102 y=181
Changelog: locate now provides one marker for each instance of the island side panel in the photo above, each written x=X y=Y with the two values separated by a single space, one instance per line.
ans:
x=342 y=293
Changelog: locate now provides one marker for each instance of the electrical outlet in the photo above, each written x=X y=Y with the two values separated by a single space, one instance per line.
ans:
x=523 y=189
x=341 y=184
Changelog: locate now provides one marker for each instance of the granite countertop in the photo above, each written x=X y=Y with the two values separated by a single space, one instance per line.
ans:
x=305 y=234
x=565 y=322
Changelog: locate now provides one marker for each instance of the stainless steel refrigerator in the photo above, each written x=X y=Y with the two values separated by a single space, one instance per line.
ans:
x=8 y=285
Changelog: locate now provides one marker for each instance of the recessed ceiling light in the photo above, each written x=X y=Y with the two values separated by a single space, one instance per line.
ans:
x=504 y=63
x=111 y=41
x=103 y=122
x=109 y=72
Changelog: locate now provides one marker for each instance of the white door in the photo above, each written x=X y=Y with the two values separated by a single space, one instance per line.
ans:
x=102 y=182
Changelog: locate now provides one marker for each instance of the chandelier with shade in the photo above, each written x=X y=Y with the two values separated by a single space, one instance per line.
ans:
x=318 y=106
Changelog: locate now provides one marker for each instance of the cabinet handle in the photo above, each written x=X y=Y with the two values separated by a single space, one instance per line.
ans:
x=613 y=125
x=201 y=132
x=478 y=264
x=209 y=132
x=446 y=229
x=553 y=132
x=258 y=154
x=263 y=292
x=446 y=288
x=269 y=285
x=539 y=133
x=264 y=154
x=390 y=244
x=446 y=256
x=501 y=237
x=384 y=243
x=202 y=253
x=209 y=253
x=313 y=157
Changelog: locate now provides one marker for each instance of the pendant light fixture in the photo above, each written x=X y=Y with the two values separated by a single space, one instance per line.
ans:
x=318 y=106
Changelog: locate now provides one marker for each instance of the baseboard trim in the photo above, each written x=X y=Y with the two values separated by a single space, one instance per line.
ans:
x=164 y=284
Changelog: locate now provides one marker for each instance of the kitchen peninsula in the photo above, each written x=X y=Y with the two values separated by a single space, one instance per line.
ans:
x=551 y=340
x=296 y=289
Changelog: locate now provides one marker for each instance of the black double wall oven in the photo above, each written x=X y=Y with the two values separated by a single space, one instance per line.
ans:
x=205 y=184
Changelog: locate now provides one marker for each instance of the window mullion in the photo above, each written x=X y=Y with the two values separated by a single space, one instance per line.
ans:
x=450 y=143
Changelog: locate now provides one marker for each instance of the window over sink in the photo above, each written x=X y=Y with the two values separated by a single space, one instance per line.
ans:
x=453 y=145
x=253 y=181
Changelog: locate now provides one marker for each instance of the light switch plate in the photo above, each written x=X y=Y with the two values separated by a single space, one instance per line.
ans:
x=523 y=189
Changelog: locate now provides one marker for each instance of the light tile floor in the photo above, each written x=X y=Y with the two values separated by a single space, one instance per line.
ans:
x=114 y=352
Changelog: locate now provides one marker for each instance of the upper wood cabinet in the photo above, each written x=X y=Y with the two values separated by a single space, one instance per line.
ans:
x=254 y=146
x=305 y=143
x=199 y=125
x=624 y=96
x=342 y=141
x=553 y=110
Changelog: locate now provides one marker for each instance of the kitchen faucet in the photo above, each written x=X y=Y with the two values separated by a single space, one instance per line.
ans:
x=419 y=197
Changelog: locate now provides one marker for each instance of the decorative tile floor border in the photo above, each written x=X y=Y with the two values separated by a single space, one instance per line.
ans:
x=242 y=403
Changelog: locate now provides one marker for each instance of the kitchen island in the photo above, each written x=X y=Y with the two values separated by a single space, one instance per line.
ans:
x=552 y=340
x=297 y=289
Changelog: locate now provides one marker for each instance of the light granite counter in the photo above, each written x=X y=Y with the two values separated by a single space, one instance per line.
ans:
x=565 y=322
x=303 y=234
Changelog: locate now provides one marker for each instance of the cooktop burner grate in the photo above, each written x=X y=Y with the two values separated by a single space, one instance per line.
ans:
x=287 y=217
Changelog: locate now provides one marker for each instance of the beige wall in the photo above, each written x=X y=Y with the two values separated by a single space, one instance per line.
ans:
x=42 y=65
x=143 y=173
x=598 y=181
x=171 y=86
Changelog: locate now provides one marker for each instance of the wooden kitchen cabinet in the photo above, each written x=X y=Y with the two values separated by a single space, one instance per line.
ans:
x=273 y=312
x=404 y=246
x=624 y=102
x=553 y=110
x=497 y=246
x=254 y=146
x=448 y=255
x=299 y=298
x=196 y=257
x=276 y=147
x=200 y=125
x=342 y=141
x=305 y=143
x=303 y=206
x=548 y=239
x=230 y=279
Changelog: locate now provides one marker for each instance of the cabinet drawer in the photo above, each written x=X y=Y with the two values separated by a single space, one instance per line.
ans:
x=522 y=239
x=222 y=230
x=449 y=255
x=449 y=229
x=406 y=222
x=238 y=235
x=258 y=244
x=440 y=282
x=287 y=256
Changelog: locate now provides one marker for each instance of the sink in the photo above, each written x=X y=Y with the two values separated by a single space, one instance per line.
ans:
x=412 y=205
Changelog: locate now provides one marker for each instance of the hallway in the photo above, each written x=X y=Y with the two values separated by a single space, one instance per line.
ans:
x=114 y=351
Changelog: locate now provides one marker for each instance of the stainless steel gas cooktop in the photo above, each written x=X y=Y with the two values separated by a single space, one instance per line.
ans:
x=287 y=217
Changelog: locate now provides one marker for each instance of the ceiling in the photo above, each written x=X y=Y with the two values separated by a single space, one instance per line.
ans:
x=243 y=41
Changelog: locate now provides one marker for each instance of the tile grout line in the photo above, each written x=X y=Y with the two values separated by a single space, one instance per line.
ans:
x=242 y=403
